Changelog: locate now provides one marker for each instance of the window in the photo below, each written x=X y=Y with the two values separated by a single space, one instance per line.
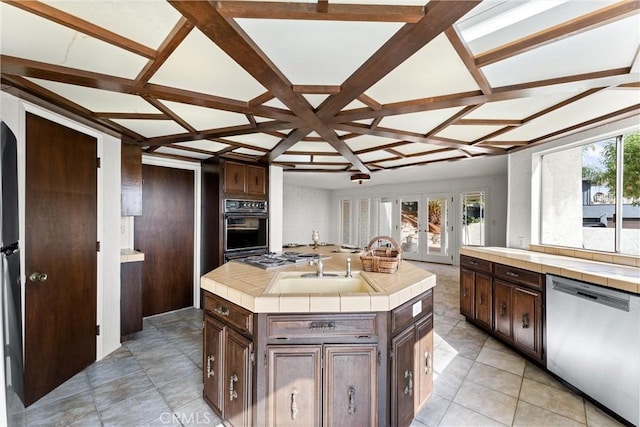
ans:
x=473 y=218
x=580 y=201
x=363 y=222
x=345 y=221
x=384 y=217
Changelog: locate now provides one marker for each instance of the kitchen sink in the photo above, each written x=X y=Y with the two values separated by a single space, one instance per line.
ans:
x=331 y=283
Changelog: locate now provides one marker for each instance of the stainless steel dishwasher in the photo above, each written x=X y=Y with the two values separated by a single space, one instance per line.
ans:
x=593 y=342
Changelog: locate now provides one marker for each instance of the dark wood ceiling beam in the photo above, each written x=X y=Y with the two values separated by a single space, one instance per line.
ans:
x=131 y=116
x=236 y=144
x=453 y=119
x=382 y=147
x=414 y=137
x=395 y=153
x=423 y=163
x=312 y=153
x=614 y=77
x=292 y=138
x=228 y=35
x=369 y=102
x=323 y=6
x=170 y=113
x=374 y=124
x=316 y=89
x=575 y=26
x=58 y=16
x=189 y=149
x=465 y=54
x=251 y=119
x=310 y=11
x=260 y=99
x=504 y=143
x=41 y=70
x=635 y=62
x=179 y=32
x=173 y=157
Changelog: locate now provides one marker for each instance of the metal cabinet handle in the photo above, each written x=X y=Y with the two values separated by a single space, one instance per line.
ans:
x=464 y=292
x=222 y=311
x=210 y=372
x=257 y=180
x=294 y=405
x=236 y=177
x=481 y=299
x=352 y=404
x=428 y=363
x=472 y=263
x=525 y=320
x=409 y=387
x=503 y=309
x=233 y=393
x=511 y=274
x=38 y=277
x=322 y=325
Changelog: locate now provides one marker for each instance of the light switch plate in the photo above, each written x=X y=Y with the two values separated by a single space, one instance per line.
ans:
x=417 y=308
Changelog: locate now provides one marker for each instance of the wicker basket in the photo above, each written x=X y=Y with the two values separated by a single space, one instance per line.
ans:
x=381 y=259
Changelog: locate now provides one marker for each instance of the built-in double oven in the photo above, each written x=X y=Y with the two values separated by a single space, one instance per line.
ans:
x=246 y=228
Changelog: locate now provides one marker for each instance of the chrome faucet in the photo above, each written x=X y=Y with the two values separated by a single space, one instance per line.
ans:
x=348 y=274
x=318 y=262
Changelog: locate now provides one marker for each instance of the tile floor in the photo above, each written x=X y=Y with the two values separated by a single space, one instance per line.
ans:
x=155 y=380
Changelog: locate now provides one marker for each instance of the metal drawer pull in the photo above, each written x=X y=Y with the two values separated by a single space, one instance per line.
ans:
x=322 y=325
x=222 y=311
x=352 y=404
x=428 y=362
x=38 y=277
x=233 y=393
x=525 y=321
x=294 y=405
x=409 y=387
x=210 y=372
x=472 y=263
x=511 y=274
x=503 y=309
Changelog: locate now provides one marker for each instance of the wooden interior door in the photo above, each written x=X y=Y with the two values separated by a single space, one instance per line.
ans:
x=165 y=233
x=60 y=242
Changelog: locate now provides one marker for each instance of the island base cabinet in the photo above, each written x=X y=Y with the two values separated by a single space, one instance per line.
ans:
x=294 y=385
x=402 y=378
x=424 y=361
x=502 y=313
x=228 y=371
x=467 y=293
x=350 y=382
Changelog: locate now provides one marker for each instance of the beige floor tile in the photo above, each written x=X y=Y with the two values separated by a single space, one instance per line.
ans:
x=535 y=373
x=558 y=401
x=597 y=418
x=458 y=415
x=506 y=362
x=530 y=415
x=446 y=385
x=433 y=411
x=496 y=379
x=496 y=344
x=487 y=402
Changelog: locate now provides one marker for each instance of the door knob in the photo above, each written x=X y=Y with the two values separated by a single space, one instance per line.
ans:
x=38 y=277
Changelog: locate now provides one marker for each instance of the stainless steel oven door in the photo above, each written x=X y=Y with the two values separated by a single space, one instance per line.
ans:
x=245 y=232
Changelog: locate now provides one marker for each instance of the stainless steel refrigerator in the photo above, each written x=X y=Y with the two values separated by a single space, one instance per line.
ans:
x=11 y=288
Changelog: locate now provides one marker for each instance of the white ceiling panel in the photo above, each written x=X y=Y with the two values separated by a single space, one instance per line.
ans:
x=176 y=152
x=287 y=43
x=323 y=147
x=146 y=22
x=98 y=100
x=436 y=69
x=249 y=152
x=46 y=41
x=329 y=159
x=315 y=99
x=590 y=51
x=204 y=144
x=421 y=122
x=417 y=147
x=467 y=133
x=203 y=118
x=418 y=159
x=367 y=141
x=284 y=158
x=151 y=128
x=375 y=156
x=312 y=166
x=258 y=139
x=212 y=70
x=517 y=109
x=578 y=112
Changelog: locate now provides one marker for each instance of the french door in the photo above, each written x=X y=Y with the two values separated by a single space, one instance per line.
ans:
x=425 y=227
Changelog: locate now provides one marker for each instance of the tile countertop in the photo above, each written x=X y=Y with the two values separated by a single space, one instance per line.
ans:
x=245 y=286
x=601 y=273
x=130 y=255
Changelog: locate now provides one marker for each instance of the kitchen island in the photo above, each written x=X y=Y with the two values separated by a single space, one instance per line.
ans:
x=351 y=357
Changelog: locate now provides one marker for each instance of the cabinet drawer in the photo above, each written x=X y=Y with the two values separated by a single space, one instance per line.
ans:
x=313 y=326
x=518 y=275
x=408 y=312
x=475 y=264
x=229 y=313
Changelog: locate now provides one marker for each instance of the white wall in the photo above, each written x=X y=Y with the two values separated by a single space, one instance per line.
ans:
x=275 y=207
x=108 y=312
x=524 y=180
x=306 y=209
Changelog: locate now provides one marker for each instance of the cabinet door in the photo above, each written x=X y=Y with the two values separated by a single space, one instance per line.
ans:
x=402 y=378
x=130 y=299
x=527 y=321
x=350 y=383
x=502 y=309
x=256 y=182
x=212 y=355
x=237 y=379
x=467 y=292
x=294 y=385
x=483 y=299
x=234 y=177
x=423 y=361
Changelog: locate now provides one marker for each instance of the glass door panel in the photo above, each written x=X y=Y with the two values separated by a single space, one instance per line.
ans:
x=410 y=226
x=436 y=229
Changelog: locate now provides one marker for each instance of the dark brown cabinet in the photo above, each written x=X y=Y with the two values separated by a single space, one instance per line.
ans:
x=240 y=178
x=505 y=300
x=213 y=357
x=131 y=180
x=130 y=299
x=256 y=180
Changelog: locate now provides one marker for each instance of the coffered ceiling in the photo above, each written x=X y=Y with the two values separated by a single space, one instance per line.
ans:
x=329 y=86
